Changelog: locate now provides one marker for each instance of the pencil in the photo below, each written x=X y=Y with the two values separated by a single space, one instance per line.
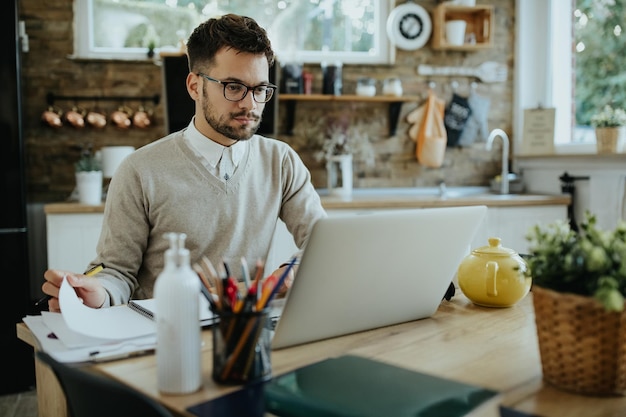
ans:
x=90 y=272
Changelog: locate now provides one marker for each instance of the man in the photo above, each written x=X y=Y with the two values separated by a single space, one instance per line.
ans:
x=216 y=181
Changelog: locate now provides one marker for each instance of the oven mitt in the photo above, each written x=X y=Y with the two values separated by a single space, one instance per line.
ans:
x=476 y=127
x=456 y=115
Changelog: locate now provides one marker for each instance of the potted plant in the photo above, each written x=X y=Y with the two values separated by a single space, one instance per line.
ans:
x=579 y=285
x=609 y=124
x=150 y=40
x=89 y=177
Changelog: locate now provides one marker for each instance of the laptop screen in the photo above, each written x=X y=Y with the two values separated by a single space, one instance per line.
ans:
x=363 y=271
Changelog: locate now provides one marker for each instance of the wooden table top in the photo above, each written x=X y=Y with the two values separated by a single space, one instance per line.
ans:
x=491 y=347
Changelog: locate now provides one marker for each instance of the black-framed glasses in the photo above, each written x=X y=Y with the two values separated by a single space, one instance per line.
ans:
x=236 y=91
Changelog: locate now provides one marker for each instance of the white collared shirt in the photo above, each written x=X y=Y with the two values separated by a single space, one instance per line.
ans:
x=211 y=152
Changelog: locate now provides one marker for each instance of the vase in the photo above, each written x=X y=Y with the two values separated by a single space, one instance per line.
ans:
x=609 y=139
x=339 y=175
x=89 y=184
x=582 y=346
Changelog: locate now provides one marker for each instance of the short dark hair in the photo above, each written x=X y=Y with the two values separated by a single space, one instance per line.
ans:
x=240 y=33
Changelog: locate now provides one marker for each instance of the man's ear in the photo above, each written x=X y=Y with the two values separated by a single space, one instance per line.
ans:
x=193 y=86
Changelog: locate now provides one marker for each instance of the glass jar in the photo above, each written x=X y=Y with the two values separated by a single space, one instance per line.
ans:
x=366 y=87
x=392 y=87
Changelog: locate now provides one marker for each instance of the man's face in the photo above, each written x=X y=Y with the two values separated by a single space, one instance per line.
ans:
x=225 y=120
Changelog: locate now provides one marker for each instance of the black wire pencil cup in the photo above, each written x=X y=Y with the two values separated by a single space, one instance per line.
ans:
x=242 y=337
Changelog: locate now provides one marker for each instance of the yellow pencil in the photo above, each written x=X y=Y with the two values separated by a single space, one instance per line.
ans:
x=94 y=270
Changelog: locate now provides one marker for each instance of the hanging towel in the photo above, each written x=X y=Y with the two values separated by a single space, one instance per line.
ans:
x=456 y=114
x=475 y=129
x=428 y=131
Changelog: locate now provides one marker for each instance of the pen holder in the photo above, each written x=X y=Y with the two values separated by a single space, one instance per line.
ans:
x=241 y=348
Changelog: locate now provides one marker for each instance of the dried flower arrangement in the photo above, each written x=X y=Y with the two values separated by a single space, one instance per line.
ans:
x=609 y=117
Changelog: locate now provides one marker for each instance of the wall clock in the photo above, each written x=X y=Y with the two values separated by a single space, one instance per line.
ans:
x=409 y=26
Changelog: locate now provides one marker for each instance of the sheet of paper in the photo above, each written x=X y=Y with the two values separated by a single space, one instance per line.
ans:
x=70 y=338
x=118 y=322
x=48 y=342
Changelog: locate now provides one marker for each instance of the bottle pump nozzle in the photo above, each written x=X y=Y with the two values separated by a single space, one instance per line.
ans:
x=177 y=254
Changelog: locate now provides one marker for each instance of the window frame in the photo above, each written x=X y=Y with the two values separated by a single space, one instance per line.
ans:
x=84 y=49
x=538 y=20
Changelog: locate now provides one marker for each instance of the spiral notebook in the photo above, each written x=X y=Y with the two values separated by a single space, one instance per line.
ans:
x=148 y=309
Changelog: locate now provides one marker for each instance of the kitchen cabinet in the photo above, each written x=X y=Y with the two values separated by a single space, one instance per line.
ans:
x=72 y=239
x=72 y=235
x=395 y=105
x=480 y=23
x=510 y=224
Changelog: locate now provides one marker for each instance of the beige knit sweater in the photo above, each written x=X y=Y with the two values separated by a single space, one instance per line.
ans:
x=163 y=187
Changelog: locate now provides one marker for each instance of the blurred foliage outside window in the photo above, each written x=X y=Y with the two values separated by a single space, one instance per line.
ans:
x=600 y=56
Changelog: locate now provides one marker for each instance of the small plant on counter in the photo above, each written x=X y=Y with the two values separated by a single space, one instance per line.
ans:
x=609 y=117
x=88 y=161
x=589 y=263
x=345 y=138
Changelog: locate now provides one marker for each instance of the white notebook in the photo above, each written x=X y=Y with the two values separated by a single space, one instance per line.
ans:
x=148 y=308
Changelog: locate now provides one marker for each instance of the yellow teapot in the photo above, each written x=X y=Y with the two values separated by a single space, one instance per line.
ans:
x=494 y=276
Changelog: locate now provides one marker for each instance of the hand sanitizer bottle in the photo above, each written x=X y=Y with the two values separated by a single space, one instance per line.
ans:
x=179 y=368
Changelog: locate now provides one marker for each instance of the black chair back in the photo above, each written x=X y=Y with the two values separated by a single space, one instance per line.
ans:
x=89 y=394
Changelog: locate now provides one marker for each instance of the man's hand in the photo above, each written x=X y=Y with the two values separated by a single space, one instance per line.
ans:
x=88 y=289
x=288 y=279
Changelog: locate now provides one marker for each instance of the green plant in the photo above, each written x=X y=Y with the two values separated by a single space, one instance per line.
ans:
x=88 y=161
x=609 y=117
x=591 y=262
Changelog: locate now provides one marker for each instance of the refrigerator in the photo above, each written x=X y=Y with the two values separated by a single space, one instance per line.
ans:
x=14 y=259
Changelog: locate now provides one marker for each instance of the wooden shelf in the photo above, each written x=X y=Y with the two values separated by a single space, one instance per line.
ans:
x=395 y=105
x=480 y=22
x=352 y=97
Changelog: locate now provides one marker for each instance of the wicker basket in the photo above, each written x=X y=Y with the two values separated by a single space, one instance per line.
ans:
x=582 y=347
x=608 y=139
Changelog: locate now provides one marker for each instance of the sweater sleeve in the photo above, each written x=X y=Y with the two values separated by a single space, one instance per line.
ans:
x=301 y=205
x=124 y=235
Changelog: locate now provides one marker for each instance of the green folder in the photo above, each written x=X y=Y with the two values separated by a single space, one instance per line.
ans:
x=353 y=386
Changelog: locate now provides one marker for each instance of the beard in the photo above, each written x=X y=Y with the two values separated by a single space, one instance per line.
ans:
x=221 y=124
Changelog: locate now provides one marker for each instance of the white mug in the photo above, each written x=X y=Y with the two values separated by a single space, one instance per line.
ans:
x=455 y=32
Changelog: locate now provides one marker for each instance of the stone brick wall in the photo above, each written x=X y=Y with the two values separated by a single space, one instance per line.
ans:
x=51 y=153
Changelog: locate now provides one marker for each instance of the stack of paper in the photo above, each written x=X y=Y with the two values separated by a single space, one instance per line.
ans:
x=81 y=333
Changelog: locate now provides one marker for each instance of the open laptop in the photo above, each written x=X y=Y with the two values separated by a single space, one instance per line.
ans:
x=363 y=271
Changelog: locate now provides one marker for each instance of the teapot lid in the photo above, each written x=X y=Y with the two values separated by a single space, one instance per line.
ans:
x=495 y=248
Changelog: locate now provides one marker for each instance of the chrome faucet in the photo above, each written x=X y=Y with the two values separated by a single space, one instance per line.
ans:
x=504 y=176
x=442 y=189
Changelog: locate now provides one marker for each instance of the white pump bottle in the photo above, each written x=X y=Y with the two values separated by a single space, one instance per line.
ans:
x=176 y=291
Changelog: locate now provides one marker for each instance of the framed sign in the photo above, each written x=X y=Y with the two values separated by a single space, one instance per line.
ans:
x=538 y=133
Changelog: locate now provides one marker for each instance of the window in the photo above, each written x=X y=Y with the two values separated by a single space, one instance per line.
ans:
x=599 y=41
x=555 y=74
x=311 y=31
